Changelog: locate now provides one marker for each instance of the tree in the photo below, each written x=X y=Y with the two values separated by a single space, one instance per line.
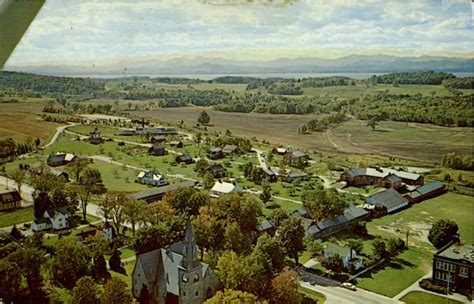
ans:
x=442 y=232
x=233 y=296
x=37 y=142
x=244 y=210
x=322 y=204
x=291 y=234
x=372 y=122
x=208 y=181
x=355 y=244
x=115 y=262
x=90 y=182
x=30 y=261
x=41 y=202
x=201 y=165
x=334 y=263
x=85 y=292
x=314 y=246
x=303 y=128
x=241 y=272
x=71 y=262
x=266 y=194
x=278 y=216
x=285 y=288
x=235 y=239
x=134 y=212
x=116 y=291
x=379 y=249
x=77 y=166
x=18 y=176
x=209 y=232
x=204 y=118
x=16 y=234
x=270 y=253
x=394 y=246
x=10 y=280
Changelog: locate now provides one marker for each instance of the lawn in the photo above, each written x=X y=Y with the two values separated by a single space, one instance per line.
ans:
x=16 y=217
x=420 y=217
x=318 y=297
x=127 y=278
x=401 y=272
x=418 y=297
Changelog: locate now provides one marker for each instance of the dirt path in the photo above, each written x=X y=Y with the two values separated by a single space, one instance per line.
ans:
x=59 y=131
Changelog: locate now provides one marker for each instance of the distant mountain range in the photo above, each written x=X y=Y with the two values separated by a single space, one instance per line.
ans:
x=208 y=65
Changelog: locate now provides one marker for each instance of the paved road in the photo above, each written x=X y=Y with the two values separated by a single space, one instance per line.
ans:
x=341 y=295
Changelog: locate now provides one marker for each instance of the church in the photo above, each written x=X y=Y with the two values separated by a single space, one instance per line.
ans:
x=174 y=275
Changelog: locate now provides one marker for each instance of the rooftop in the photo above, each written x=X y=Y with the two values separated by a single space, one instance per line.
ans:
x=383 y=172
x=388 y=199
x=458 y=251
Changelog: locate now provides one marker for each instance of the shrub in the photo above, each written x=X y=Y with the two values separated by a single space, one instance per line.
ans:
x=428 y=284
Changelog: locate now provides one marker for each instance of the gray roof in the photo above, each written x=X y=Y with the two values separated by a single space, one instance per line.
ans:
x=297 y=154
x=215 y=150
x=264 y=225
x=350 y=213
x=430 y=187
x=162 y=190
x=333 y=249
x=388 y=199
x=457 y=251
x=383 y=172
x=393 y=178
x=149 y=263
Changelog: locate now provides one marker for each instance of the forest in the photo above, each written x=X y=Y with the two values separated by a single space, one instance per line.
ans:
x=271 y=95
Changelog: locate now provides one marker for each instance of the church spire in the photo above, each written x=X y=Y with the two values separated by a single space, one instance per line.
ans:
x=190 y=258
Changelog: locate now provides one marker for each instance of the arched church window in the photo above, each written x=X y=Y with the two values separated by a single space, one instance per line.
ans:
x=196 y=277
x=185 y=278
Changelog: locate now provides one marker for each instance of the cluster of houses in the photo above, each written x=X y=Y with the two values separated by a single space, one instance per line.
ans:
x=403 y=188
x=219 y=153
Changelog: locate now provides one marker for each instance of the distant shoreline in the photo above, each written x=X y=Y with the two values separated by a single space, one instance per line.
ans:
x=358 y=76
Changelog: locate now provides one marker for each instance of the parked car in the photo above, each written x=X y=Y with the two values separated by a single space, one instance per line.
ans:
x=349 y=286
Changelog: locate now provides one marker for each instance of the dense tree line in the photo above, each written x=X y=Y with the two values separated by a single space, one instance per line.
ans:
x=50 y=84
x=443 y=111
x=460 y=83
x=422 y=77
x=459 y=162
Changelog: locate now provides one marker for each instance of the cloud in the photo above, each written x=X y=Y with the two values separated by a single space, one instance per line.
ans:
x=70 y=30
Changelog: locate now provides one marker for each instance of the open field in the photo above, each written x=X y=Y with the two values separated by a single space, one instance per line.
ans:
x=20 y=121
x=422 y=142
x=416 y=297
x=420 y=217
x=278 y=129
x=16 y=217
x=410 y=140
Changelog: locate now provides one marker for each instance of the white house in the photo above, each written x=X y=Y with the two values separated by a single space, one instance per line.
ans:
x=56 y=219
x=348 y=255
x=221 y=188
x=153 y=178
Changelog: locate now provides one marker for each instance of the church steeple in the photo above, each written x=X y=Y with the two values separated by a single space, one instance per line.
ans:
x=190 y=257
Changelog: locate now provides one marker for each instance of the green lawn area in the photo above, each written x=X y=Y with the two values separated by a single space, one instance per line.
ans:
x=318 y=297
x=16 y=217
x=127 y=253
x=400 y=273
x=127 y=278
x=419 y=297
x=456 y=207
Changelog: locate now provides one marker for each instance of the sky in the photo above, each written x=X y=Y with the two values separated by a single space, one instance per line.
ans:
x=103 y=31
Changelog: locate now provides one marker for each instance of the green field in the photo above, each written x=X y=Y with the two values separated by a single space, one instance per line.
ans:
x=420 y=217
x=16 y=217
x=401 y=272
x=420 y=297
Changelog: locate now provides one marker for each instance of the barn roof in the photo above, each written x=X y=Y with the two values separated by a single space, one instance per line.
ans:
x=388 y=199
